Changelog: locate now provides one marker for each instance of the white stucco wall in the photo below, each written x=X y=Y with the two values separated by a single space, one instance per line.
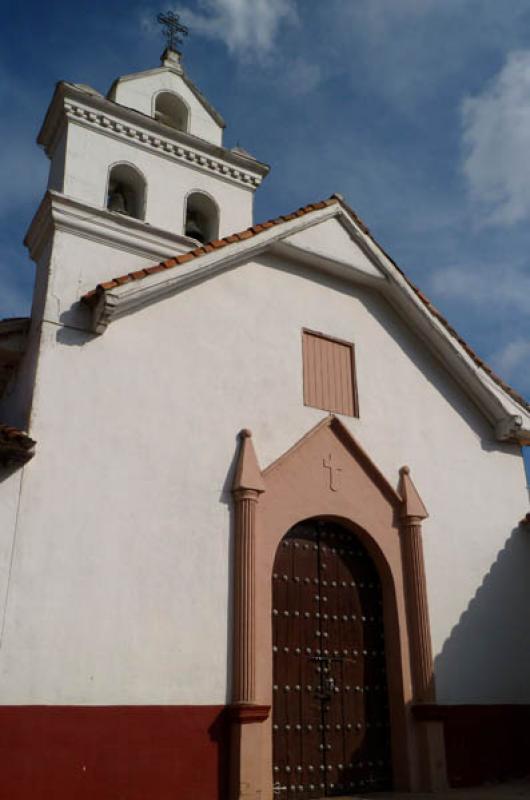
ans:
x=121 y=572
x=90 y=154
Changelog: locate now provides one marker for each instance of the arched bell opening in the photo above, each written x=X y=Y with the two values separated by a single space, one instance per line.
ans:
x=202 y=218
x=171 y=110
x=331 y=714
x=126 y=190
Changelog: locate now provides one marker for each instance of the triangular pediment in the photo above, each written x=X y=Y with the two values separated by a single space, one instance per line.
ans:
x=328 y=474
x=331 y=437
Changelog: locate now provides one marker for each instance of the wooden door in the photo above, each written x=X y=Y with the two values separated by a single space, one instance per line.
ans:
x=331 y=733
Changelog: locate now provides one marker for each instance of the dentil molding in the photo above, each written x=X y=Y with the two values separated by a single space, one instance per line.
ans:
x=74 y=104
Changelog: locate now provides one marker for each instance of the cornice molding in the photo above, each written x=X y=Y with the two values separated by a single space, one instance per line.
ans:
x=58 y=212
x=77 y=106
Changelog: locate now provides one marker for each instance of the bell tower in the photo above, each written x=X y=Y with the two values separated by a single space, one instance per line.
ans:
x=136 y=176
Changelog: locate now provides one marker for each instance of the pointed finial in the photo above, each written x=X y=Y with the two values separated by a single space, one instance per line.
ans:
x=248 y=474
x=412 y=503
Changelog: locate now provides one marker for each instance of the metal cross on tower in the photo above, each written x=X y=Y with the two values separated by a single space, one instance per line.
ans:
x=174 y=31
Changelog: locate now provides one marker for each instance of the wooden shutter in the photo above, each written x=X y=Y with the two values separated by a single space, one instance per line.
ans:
x=329 y=374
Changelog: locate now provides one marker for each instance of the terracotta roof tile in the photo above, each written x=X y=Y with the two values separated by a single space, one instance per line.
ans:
x=154 y=270
x=91 y=297
x=183 y=259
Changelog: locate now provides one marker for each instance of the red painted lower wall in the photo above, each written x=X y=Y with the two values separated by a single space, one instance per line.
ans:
x=182 y=752
x=113 y=753
x=483 y=743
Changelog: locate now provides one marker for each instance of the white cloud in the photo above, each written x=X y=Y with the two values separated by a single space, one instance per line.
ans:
x=513 y=359
x=485 y=286
x=496 y=136
x=247 y=27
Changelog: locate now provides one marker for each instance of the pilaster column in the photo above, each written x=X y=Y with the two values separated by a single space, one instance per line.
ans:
x=412 y=514
x=431 y=766
x=247 y=487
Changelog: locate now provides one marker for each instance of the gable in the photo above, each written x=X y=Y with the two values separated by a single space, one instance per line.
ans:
x=502 y=406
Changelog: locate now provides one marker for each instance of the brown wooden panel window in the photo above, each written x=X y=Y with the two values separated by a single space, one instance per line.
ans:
x=329 y=374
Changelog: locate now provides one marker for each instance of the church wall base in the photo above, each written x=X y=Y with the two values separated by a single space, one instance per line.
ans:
x=129 y=752
x=483 y=743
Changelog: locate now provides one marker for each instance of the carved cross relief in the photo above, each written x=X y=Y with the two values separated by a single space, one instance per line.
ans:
x=334 y=473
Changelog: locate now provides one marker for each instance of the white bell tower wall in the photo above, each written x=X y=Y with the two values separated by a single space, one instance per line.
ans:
x=123 y=170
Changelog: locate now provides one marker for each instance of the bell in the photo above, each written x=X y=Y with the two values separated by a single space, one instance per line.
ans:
x=117 y=202
x=194 y=230
x=166 y=119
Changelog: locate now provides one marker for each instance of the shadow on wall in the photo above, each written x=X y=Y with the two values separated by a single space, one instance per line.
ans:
x=486 y=659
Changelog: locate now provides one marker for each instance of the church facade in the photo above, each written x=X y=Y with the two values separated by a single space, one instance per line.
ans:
x=259 y=503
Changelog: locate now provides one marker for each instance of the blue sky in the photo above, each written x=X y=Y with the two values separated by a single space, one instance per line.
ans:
x=417 y=111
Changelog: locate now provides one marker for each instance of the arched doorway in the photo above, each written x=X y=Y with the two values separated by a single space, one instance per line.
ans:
x=331 y=722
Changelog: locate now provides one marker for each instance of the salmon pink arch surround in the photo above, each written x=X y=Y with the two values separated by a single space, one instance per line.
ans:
x=325 y=475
